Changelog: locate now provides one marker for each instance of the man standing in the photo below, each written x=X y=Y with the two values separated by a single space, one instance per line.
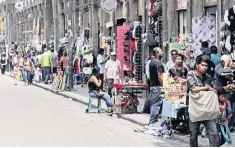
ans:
x=112 y=71
x=46 y=65
x=199 y=81
x=206 y=54
x=101 y=61
x=156 y=70
x=214 y=56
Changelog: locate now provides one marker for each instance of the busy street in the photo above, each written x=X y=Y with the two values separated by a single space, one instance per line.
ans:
x=157 y=73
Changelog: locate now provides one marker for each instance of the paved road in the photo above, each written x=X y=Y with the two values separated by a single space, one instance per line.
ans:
x=31 y=116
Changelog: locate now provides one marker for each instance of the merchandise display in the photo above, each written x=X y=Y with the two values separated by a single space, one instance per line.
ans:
x=126 y=98
x=175 y=90
x=204 y=29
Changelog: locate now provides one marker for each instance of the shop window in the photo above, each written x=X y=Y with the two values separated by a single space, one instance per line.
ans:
x=182 y=23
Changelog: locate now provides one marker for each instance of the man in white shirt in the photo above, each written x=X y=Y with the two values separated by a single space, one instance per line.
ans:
x=101 y=62
x=112 y=71
x=171 y=63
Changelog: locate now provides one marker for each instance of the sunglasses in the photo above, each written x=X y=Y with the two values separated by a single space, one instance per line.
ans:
x=174 y=54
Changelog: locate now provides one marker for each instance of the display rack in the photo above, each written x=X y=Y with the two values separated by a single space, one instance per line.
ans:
x=123 y=49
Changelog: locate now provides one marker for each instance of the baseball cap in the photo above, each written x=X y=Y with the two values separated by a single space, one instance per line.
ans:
x=113 y=53
x=225 y=58
x=206 y=51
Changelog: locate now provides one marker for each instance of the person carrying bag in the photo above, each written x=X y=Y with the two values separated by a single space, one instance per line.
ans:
x=203 y=104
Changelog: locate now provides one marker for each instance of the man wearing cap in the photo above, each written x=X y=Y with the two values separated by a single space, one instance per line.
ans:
x=206 y=53
x=112 y=71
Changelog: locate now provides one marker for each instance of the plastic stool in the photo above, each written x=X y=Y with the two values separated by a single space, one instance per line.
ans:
x=90 y=108
x=77 y=79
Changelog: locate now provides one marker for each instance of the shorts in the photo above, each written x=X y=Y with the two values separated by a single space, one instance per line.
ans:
x=54 y=70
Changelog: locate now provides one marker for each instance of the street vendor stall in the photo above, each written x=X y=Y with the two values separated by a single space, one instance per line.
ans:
x=126 y=98
x=174 y=104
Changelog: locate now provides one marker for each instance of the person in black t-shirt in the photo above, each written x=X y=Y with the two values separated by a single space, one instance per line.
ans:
x=178 y=70
x=156 y=70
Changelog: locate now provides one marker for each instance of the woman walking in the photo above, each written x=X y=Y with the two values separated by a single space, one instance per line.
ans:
x=28 y=71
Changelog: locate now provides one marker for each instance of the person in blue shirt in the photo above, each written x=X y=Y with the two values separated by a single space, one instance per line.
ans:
x=214 y=57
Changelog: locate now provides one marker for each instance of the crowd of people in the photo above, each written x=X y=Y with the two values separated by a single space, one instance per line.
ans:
x=34 y=65
x=210 y=79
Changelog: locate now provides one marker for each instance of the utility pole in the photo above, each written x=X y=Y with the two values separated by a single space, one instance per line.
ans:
x=219 y=7
x=55 y=18
x=189 y=16
x=8 y=23
x=144 y=27
x=70 y=53
x=165 y=28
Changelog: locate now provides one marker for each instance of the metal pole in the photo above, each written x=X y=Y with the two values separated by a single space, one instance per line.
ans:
x=55 y=12
x=8 y=23
x=165 y=28
x=219 y=5
x=70 y=56
x=189 y=17
x=144 y=27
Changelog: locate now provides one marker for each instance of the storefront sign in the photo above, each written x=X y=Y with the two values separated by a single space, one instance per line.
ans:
x=209 y=3
x=181 y=4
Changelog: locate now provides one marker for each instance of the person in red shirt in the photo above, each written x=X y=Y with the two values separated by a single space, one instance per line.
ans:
x=63 y=62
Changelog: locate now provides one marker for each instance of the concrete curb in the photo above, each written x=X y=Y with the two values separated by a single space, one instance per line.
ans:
x=83 y=102
x=184 y=139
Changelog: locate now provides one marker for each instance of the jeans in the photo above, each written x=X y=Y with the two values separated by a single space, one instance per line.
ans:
x=155 y=102
x=211 y=129
x=110 y=86
x=106 y=98
x=46 y=73
x=28 y=76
